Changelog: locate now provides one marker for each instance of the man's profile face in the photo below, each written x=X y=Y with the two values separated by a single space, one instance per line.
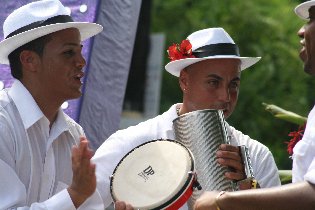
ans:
x=307 y=53
x=61 y=65
x=211 y=84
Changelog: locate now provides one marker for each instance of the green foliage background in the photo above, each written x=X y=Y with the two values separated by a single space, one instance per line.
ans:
x=260 y=28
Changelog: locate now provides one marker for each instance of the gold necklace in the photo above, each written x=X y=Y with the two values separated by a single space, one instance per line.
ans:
x=177 y=111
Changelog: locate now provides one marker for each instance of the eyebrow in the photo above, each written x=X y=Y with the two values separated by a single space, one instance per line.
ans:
x=72 y=44
x=220 y=78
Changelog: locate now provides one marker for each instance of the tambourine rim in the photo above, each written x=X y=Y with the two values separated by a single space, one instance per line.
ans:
x=176 y=197
x=183 y=188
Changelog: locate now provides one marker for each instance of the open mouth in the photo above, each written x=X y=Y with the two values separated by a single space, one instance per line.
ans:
x=79 y=76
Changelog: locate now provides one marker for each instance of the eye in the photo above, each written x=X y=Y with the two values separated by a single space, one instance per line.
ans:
x=234 y=85
x=213 y=82
x=69 y=52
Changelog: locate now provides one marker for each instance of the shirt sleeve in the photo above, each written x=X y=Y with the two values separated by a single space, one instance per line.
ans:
x=266 y=171
x=15 y=197
x=304 y=153
x=304 y=161
x=264 y=166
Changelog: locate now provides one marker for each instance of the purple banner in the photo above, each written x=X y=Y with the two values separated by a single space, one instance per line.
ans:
x=82 y=11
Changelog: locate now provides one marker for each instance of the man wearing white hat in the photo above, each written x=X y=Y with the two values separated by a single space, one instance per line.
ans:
x=209 y=68
x=300 y=194
x=44 y=156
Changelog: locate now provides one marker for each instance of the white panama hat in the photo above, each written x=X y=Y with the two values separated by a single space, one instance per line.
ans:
x=302 y=9
x=38 y=19
x=211 y=43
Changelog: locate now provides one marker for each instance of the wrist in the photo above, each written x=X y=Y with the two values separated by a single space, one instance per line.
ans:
x=218 y=200
x=245 y=184
x=76 y=197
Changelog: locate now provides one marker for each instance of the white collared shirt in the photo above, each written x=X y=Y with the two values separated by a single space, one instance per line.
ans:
x=304 y=153
x=35 y=161
x=120 y=143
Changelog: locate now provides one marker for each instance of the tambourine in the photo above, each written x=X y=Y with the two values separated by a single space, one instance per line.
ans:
x=158 y=174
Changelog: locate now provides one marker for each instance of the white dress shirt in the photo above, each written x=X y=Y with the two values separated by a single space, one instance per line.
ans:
x=304 y=153
x=35 y=161
x=120 y=143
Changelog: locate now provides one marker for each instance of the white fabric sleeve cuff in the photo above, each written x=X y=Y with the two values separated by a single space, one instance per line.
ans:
x=310 y=175
x=60 y=201
x=94 y=202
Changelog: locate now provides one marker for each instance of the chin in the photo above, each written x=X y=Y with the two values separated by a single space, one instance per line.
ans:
x=75 y=96
x=309 y=70
x=227 y=114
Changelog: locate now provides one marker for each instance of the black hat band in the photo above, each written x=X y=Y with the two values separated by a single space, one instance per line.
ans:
x=216 y=49
x=52 y=20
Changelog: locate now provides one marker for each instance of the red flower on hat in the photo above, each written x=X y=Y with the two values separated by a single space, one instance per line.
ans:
x=176 y=51
x=296 y=137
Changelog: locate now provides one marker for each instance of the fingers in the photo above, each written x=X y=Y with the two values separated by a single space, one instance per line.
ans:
x=83 y=150
x=81 y=159
x=229 y=156
x=84 y=179
x=120 y=205
x=228 y=147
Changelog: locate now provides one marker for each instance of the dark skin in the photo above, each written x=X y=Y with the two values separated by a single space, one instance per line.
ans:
x=287 y=197
x=306 y=33
x=52 y=79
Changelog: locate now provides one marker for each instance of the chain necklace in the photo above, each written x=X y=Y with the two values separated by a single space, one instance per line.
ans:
x=177 y=111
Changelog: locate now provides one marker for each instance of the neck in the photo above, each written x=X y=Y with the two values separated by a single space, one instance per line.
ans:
x=47 y=102
x=50 y=110
x=182 y=109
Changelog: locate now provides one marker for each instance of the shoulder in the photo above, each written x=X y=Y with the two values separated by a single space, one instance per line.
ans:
x=243 y=139
x=146 y=128
x=11 y=129
x=4 y=100
x=9 y=115
x=153 y=127
x=73 y=125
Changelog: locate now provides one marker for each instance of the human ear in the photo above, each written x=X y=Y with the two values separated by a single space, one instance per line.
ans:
x=183 y=80
x=28 y=60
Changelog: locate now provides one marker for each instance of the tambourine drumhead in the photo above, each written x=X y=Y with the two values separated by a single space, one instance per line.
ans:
x=154 y=175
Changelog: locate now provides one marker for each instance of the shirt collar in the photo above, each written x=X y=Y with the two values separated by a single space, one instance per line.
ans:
x=29 y=110
x=25 y=103
x=173 y=112
x=60 y=125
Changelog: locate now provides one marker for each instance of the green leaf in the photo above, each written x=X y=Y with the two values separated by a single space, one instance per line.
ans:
x=283 y=114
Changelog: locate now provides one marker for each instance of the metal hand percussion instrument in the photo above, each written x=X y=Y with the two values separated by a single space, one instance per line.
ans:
x=202 y=132
x=158 y=174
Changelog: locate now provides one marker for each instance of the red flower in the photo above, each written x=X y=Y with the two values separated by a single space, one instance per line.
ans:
x=176 y=52
x=296 y=137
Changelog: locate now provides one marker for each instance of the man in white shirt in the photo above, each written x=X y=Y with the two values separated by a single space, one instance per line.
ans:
x=44 y=156
x=299 y=194
x=209 y=69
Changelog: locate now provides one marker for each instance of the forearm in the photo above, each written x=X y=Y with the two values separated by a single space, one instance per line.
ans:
x=287 y=197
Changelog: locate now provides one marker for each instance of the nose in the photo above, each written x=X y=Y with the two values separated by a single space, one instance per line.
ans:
x=80 y=61
x=301 y=32
x=225 y=95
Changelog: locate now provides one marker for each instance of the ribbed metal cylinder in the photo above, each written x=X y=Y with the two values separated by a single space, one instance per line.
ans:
x=202 y=132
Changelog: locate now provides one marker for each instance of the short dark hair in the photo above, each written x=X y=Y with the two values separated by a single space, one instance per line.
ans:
x=36 y=45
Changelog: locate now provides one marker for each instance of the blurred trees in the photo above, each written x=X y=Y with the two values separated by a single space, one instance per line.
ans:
x=260 y=28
